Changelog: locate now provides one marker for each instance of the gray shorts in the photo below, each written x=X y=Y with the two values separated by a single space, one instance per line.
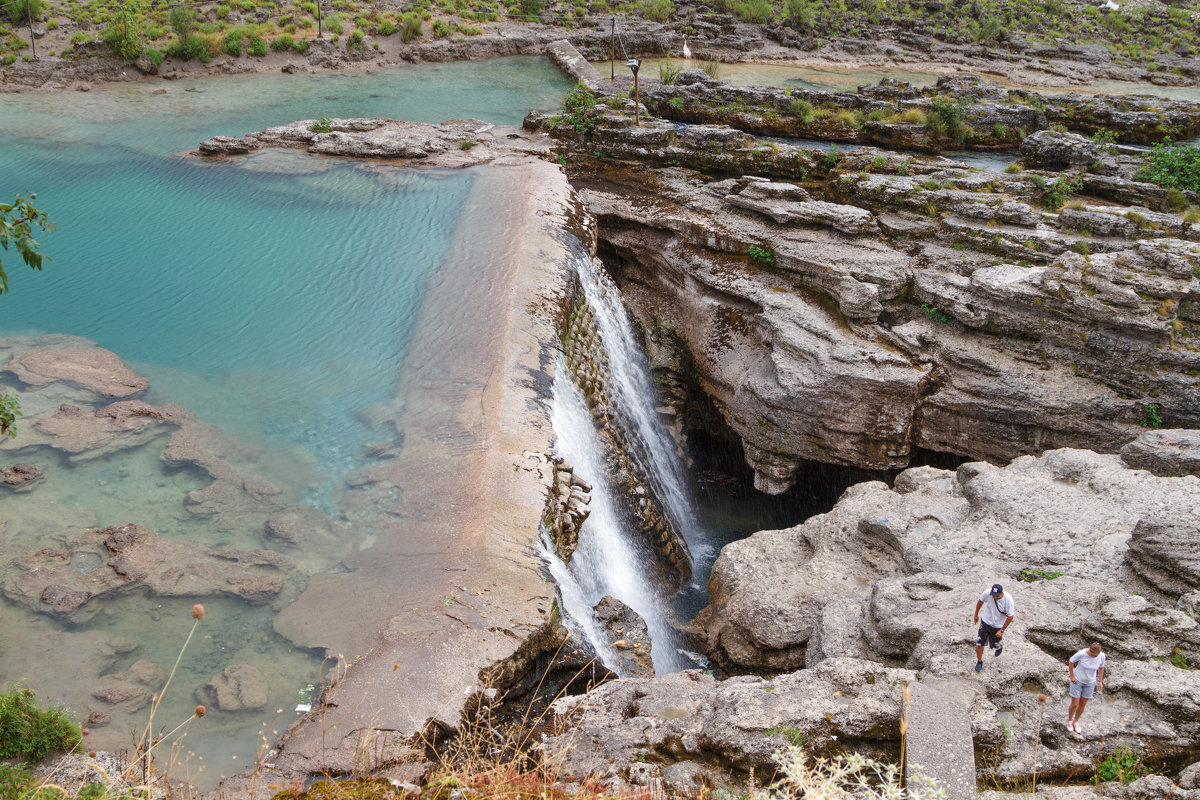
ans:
x=1084 y=690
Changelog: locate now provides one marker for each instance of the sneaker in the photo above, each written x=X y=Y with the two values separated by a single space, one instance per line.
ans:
x=998 y=651
x=979 y=666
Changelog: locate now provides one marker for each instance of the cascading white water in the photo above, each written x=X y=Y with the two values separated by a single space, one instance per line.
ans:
x=629 y=383
x=610 y=559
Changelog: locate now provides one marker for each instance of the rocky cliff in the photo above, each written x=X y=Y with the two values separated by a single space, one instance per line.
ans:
x=836 y=615
x=856 y=307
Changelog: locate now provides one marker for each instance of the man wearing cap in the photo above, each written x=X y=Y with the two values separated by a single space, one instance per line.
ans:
x=998 y=610
x=1087 y=675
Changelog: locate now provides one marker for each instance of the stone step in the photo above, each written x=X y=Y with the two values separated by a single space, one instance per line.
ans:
x=939 y=736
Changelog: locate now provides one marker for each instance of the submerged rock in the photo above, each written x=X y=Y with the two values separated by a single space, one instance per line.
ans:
x=85 y=366
x=237 y=688
x=20 y=477
x=131 y=556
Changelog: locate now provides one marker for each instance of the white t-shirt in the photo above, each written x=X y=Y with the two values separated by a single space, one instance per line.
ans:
x=996 y=611
x=1086 y=667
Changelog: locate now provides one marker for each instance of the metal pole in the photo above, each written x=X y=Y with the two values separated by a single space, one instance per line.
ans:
x=612 y=52
x=637 y=105
x=29 y=16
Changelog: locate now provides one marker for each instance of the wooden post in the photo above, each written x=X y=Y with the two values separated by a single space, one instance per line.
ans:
x=612 y=52
x=320 y=35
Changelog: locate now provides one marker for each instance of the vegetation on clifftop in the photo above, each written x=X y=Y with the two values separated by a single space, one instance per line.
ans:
x=1148 y=36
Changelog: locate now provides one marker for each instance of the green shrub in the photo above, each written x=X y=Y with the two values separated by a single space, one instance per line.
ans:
x=387 y=26
x=1175 y=199
x=935 y=313
x=1106 y=139
x=155 y=55
x=577 y=109
x=15 y=781
x=802 y=110
x=321 y=125
x=1034 y=574
x=257 y=45
x=1123 y=764
x=657 y=10
x=334 y=26
x=760 y=255
x=126 y=45
x=79 y=36
x=1057 y=193
x=442 y=29
x=183 y=20
x=284 y=42
x=19 y=11
x=1152 y=417
x=831 y=158
x=668 y=71
x=355 y=39
x=800 y=14
x=410 y=27
x=190 y=47
x=757 y=11
x=712 y=69
x=1172 y=166
x=235 y=40
x=29 y=733
x=945 y=117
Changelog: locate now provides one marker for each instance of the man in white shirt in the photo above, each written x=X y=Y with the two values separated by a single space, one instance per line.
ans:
x=1087 y=675
x=998 y=611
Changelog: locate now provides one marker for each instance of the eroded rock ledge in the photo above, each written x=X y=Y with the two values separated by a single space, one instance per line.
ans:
x=451 y=144
x=853 y=308
x=845 y=609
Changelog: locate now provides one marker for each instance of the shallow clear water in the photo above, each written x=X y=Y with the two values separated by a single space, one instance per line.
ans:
x=274 y=297
x=787 y=75
x=829 y=79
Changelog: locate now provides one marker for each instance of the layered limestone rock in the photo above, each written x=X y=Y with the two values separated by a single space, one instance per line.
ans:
x=884 y=587
x=854 y=308
x=959 y=112
x=451 y=144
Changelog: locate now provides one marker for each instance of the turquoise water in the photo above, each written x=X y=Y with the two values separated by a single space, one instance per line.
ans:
x=300 y=272
x=273 y=296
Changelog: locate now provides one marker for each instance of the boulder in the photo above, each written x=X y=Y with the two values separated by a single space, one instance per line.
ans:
x=1165 y=452
x=1055 y=150
x=628 y=637
x=240 y=687
x=686 y=725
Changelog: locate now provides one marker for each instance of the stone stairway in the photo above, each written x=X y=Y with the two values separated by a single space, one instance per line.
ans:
x=939 y=737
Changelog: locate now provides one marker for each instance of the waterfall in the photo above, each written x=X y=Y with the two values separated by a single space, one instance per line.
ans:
x=610 y=560
x=629 y=381
x=614 y=555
